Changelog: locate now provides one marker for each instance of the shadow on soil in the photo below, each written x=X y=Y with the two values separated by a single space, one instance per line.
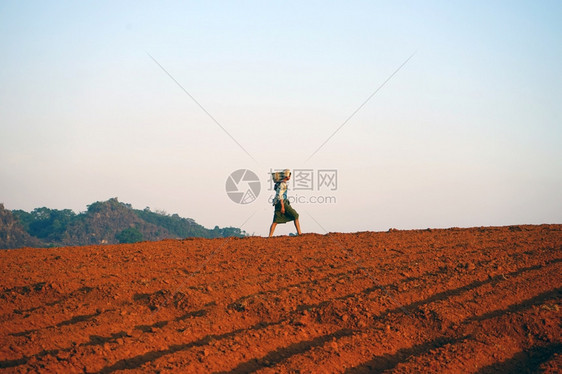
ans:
x=72 y=321
x=281 y=354
x=388 y=361
x=94 y=340
x=138 y=361
x=528 y=361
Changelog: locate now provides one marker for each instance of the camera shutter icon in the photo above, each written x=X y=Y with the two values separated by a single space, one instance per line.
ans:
x=243 y=186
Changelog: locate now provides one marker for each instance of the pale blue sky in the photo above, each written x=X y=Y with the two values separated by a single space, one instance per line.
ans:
x=467 y=133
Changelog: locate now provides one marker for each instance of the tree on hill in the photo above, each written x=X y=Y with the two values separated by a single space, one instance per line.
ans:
x=129 y=235
x=46 y=224
x=176 y=225
x=103 y=221
x=224 y=232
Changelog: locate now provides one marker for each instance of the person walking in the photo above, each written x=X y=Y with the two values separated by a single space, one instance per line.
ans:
x=284 y=212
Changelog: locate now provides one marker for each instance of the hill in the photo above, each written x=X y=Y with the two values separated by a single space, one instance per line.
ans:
x=480 y=300
x=12 y=233
x=108 y=222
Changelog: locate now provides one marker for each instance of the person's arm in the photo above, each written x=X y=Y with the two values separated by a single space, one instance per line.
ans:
x=282 y=189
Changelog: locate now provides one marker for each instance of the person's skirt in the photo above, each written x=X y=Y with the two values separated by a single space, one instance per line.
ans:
x=289 y=215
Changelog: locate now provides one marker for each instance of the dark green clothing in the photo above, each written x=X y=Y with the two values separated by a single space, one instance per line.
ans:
x=290 y=213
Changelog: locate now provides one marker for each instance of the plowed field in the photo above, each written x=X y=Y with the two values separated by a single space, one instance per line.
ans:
x=484 y=300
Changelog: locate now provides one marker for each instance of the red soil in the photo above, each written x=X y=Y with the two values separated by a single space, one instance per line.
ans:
x=483 y=300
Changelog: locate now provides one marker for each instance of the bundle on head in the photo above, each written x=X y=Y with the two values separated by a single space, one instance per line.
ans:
x=280 y=175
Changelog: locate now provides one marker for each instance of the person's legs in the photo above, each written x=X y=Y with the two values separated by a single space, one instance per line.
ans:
x=272 y=229
x=298 y=226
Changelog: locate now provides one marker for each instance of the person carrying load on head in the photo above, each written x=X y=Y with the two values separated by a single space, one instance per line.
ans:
x=284 y=212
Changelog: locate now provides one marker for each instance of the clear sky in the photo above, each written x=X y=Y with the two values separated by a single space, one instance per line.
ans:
x=467 y=133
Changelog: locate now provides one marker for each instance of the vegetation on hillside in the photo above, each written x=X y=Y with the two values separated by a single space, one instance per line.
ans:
x=105 y=222
x=12 y=233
